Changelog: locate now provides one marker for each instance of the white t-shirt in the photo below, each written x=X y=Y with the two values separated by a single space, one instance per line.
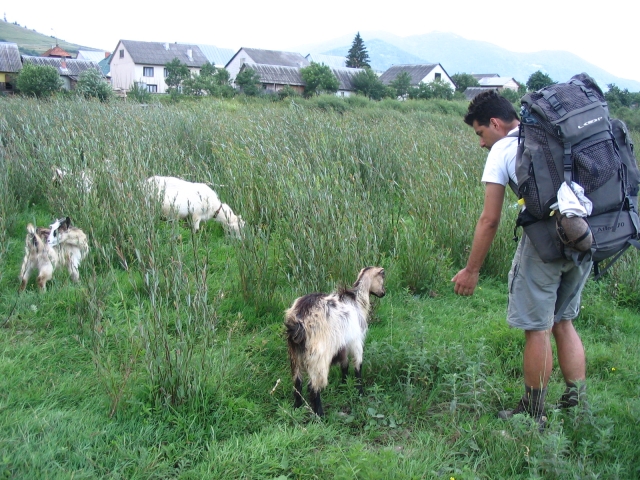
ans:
x=501 y=161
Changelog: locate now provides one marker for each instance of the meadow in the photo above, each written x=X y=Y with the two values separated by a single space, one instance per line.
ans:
x=168 y=358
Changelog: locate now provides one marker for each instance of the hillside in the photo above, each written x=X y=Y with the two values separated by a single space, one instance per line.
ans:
x=457 y=55
x=31 y=42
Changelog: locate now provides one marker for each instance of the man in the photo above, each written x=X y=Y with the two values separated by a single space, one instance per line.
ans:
x=536 y=289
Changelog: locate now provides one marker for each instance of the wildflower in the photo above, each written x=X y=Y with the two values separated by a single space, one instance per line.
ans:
x=613 y=369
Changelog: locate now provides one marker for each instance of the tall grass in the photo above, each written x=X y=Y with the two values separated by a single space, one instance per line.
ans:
x=168 y=359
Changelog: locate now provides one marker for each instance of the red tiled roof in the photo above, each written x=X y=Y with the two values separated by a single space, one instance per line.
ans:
x=56 y=52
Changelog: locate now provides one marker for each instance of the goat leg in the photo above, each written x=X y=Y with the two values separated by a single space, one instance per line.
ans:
x=358 y=372
x=297 y=393
x=315 y=401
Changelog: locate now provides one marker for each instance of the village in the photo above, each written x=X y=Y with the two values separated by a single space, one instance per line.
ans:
x=141 y=64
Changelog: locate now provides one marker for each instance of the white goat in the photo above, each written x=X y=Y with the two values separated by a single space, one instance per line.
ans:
x=83 y=181
x=328 y=328
x=48 y=248
x=182 y=199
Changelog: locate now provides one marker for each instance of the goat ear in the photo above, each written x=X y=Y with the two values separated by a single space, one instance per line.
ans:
x=67 y=222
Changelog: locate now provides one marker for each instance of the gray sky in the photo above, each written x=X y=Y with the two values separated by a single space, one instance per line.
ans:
x=606 y=40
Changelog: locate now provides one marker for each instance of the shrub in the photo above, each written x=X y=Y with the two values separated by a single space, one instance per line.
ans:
x=38 y=80
x=91 y=84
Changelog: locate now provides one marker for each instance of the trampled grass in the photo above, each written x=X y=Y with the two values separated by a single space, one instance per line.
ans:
x=168 y=359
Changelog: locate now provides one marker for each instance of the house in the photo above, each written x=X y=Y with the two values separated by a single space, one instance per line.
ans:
x=56 y=52
x=418 y=73
x=479 y=76
x=218 y=57
x=333 y=61
x=10 y=65
x=69 y=69
x=499 y=82
x=144 y=63
x=255 y=56
x=92 y=55
x=471 y=92
x=104 y=66
x=275 y=77
x=345 y=77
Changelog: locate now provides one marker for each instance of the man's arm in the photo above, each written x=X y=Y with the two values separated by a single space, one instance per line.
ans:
x=467 y=278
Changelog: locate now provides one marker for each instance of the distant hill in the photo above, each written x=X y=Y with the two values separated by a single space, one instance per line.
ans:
x=31 y=42
x=460 y=55
x=382 y=55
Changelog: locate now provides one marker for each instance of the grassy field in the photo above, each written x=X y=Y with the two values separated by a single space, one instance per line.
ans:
x=168 y=359
x=31 y=42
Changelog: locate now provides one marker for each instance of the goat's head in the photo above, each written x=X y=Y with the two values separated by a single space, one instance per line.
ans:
x=374 y=277
x=57 y=229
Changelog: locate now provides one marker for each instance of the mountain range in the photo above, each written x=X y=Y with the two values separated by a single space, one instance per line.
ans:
x=460 y=55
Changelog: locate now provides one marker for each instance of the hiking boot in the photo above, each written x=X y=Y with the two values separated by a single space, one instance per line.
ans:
x=532 y=404
x=572 y=397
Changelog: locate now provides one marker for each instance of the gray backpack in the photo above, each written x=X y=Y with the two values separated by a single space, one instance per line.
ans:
x=566 y=135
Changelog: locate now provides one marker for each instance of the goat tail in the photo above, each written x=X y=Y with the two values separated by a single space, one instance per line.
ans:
x=34 y=238
x=296 y=341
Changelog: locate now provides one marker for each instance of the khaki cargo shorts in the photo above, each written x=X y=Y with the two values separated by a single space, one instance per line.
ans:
x=536 y=288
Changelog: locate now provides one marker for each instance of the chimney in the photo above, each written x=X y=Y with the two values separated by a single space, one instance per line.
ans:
x=190 y=54
x=166 y=46
x=106 y=54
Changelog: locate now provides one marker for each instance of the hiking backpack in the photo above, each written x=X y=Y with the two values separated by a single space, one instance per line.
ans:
x=566 y=135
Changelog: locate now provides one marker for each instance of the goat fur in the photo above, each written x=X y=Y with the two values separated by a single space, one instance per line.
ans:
x=182 y=199
x=49 y=248
x=329 y=328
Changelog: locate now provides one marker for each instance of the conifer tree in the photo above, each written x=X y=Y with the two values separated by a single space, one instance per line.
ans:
x=358 y=56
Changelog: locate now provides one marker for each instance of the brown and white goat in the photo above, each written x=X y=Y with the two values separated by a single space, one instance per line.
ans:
x=48 y=248
x=328 y=328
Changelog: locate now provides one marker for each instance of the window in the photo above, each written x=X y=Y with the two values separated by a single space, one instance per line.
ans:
x=147 y=71
x=152 y=88
x=121 y=53
x=166 y=73
x=438 y=76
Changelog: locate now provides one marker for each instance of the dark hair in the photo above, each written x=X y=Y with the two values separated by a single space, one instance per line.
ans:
x=487 y=105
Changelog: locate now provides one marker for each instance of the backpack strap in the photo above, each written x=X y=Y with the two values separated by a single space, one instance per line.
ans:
x=513 y=185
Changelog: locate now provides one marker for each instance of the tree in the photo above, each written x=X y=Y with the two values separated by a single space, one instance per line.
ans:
x=464 y=80
x=249 y=82
x=358 y=56
x=617 y=98
x=38 y=80
x=367 y=83
x=401 y=84
x=511 y=95
x=432 y=90
x=177 y=72
x=91 y=84
x=319 y=78
x=539 y=80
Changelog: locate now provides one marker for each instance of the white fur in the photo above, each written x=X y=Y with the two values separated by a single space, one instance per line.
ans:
x=322 y=328
x=182 y=199
x=47 y=249
x=83 y=181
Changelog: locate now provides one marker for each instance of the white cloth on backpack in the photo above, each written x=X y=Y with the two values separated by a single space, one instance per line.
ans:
x=572 y=202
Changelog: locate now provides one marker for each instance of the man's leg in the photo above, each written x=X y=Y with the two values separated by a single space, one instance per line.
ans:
x=572 y=363
x=538 y=363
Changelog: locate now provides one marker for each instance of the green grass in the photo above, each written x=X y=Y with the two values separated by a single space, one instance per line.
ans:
x=31 y=42
x=168 y=359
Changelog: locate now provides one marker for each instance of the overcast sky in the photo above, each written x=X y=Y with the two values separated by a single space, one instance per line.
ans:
x=606 y=40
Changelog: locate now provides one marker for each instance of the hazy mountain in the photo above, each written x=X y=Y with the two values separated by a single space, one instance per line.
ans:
x=31 y=42
x=460 y=55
